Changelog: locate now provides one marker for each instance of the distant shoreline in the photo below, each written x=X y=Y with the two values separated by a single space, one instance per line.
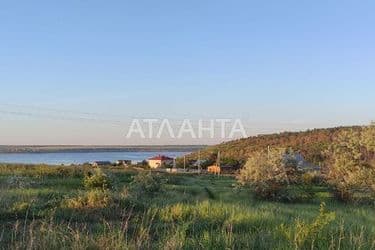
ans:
x=83 y=149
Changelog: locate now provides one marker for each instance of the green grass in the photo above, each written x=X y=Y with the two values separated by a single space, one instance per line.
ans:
x=49 y=208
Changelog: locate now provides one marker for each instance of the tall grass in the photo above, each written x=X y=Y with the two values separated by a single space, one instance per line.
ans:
x=190 y=212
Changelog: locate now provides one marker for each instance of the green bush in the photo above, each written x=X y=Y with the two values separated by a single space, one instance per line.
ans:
x=274 y=176
x=146 y=183
x=97 y=180
x=94 y=199
x=351 y=165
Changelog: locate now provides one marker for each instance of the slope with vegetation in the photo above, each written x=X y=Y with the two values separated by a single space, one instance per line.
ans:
x=311 y=144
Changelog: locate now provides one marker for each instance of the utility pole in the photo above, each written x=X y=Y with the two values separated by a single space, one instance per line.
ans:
x=218 y=159
x=218 y=162
x=199 y=162
x=184 y=163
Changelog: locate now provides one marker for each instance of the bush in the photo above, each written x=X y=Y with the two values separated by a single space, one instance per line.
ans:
x=93 y=199
x=146 y=183
x=97 y=180
x=351 y=165
x=274 y=176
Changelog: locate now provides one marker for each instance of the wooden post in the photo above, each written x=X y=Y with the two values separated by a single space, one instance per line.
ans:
x=199 y=162
x=218 y=162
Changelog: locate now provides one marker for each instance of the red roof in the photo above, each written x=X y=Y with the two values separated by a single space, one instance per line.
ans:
x=161 y=158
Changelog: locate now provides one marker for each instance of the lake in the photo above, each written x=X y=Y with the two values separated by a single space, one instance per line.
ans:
x=68 y=158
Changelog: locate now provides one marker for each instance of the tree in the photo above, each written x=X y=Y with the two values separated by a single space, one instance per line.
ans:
x=271 y=173
x=351 y=163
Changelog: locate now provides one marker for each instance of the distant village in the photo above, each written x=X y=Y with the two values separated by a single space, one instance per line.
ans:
x=168 y=164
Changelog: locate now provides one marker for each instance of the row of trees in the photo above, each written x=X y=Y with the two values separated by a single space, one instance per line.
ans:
x=349 y=169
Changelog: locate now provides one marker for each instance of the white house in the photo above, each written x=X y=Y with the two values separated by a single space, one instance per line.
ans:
x=160 y=161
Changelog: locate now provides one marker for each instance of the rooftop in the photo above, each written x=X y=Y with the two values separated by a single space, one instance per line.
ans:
x=161 y=158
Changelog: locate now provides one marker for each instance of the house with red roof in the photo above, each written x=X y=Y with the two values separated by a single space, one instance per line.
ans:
x=160 y=161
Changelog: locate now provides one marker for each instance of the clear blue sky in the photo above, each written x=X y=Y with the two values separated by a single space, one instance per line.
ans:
x=278 y=65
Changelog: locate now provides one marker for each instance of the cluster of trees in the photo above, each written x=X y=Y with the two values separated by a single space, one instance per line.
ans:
x=349 y=169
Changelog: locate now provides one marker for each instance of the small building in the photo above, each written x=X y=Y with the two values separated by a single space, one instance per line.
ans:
x=101 y=163
x=214 y=169
x=160 y=161
x=124 y=163
x=302 y=164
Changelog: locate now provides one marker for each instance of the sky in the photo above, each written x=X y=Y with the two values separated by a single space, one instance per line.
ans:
x=79 y=72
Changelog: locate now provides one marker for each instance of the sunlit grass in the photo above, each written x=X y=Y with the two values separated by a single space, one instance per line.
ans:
x=53 y=210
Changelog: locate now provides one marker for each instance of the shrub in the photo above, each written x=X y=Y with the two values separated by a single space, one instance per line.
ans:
x=97 y=180
x=146 y=183
x=272 y=174
x=351 y=164
x=92 y=199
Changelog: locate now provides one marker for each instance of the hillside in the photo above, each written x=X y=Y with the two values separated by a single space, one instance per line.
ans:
x=309 y=143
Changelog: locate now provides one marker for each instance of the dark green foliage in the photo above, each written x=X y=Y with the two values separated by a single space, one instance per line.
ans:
x=210 y=193
x=146 y=184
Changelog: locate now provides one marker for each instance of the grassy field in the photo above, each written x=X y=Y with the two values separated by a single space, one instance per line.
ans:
x=49 y=208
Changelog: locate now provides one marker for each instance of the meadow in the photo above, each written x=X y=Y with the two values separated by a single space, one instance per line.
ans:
x=45 y=207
